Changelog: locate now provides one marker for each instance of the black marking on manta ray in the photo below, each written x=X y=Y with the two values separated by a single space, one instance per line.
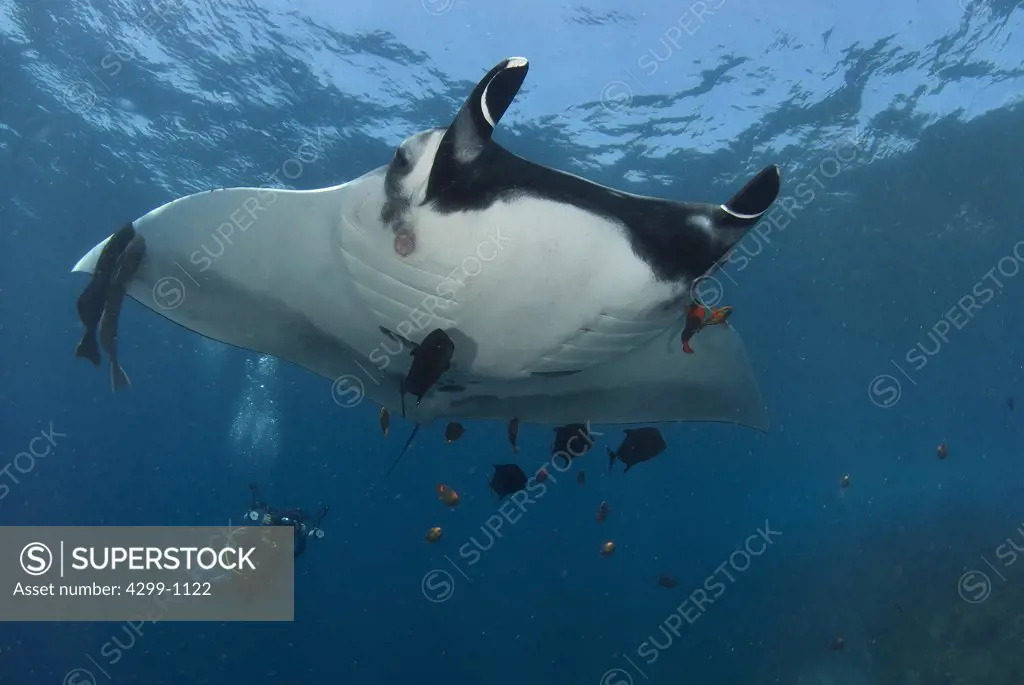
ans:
x=554 y=374
x=454 y=387
x=665 y=234
x=470 y=173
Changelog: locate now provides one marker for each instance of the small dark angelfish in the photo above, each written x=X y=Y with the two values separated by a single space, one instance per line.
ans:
x=571 y=441
x=124 y=271
x=430 y=359
x=94 y=298
x=507 y=479
x=453 y=431
x=385 y=420
x=513 y=434
x=641 y=444
x=667 y=581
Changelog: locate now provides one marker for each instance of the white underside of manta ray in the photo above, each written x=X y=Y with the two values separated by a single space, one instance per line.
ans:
x=564 y=299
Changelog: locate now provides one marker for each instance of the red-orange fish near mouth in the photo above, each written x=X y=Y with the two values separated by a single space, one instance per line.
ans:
x=697 y=317
x=447 y=495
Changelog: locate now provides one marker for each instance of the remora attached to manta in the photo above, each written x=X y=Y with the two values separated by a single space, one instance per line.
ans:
x=563 y=298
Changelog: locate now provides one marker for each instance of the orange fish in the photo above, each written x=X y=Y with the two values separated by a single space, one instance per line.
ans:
x=602 y=512
x=541 y=476
x=718 y=316
x=942 y=451
x=434 y=534
x=697 y=317
x=385 y=421
x=607 y=549
x=447 y=495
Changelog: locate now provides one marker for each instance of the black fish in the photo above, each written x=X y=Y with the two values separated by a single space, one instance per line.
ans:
x=430 y=359
x=571 y=441
x=127 y=265
x=94 y=298
x=453 y=431
x=641 y=444
x=508 y=478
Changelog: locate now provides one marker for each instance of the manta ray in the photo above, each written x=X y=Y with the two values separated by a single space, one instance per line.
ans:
x=564 y=299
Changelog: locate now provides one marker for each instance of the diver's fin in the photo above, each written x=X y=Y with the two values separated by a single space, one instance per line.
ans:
x=402 y=453
x=611 y=458
x=88 y=348
x=118 y=378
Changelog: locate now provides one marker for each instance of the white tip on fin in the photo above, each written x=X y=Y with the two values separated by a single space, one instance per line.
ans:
x=118 y=378
x=738 y=215
x=88 y=262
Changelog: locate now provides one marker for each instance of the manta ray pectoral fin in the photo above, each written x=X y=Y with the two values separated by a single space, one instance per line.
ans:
x=684 y=240
x=735 y=217
x=653 y=384
x=470 y=132
x=494 y=94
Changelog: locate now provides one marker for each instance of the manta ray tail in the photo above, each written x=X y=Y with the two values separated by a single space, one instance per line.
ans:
x=402 y=453
x=88 y=348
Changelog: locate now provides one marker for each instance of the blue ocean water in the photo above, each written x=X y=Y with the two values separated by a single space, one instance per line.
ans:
x=881 y=314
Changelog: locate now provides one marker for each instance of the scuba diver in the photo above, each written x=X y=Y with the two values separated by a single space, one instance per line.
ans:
x=269 y=516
